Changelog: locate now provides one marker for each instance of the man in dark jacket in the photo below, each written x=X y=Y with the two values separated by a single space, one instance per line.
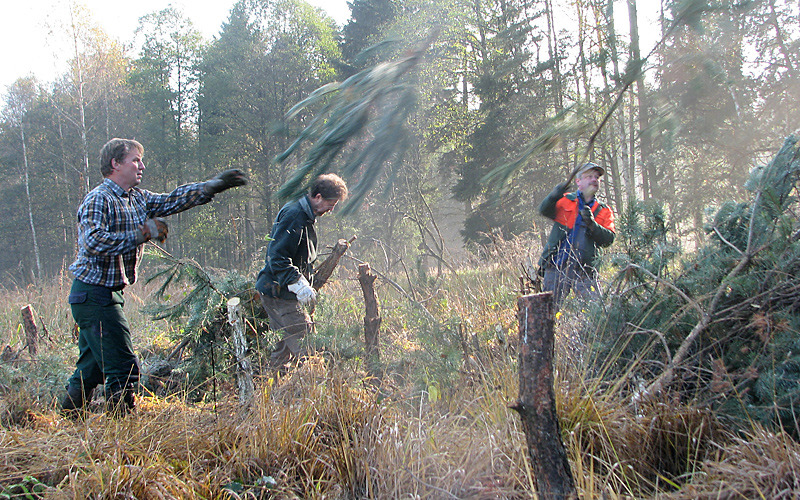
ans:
x=581 y=225
x=285 y=281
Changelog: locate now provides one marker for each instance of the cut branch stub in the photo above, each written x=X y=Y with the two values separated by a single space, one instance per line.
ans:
x=31 y=331
x=244 y=373
x=325 y=270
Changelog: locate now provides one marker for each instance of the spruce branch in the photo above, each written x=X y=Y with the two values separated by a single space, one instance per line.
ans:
x=706 y=316
x=695 y=305
x=724 y=240
x=378 y=95
x=199 y=303
x=753 y=226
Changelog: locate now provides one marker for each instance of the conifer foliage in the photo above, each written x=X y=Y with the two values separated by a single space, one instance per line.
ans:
x=722 y=327
x=201 y=311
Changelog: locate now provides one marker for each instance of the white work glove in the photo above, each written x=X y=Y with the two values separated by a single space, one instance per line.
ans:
x=305 y=294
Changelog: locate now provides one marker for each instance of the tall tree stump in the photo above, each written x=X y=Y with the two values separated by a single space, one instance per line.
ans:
x=31 y=331
x=244 y=373
x=537 y=403
x=372 y=320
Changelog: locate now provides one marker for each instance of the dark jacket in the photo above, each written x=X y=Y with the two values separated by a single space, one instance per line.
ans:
x=563 y=209
x=291 y=252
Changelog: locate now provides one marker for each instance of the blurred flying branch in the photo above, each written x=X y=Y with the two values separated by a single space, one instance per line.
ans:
x=379 y=95
x=376 y=95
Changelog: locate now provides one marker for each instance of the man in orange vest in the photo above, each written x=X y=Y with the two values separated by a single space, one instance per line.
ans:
x=581 y=225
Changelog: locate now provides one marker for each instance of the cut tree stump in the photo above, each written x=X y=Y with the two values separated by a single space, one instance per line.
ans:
x=31 y=331
x=537 y=403
x=372 y=320
x=244 y=373
x=325 y=270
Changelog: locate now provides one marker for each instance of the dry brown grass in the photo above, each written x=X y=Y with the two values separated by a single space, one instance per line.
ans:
x=761 y=464
x=316 y=433
x=324 y=430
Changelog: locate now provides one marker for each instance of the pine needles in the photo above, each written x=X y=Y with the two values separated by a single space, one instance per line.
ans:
x=372 y=104
x=205 y=296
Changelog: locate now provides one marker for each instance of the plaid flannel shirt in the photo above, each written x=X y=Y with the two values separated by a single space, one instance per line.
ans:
x=108 y=222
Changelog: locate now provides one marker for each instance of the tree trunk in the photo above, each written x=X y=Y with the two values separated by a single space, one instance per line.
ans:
x=244 y=374
x=614 y=152
x=553 y=54
x=650 y=185
x=537 y=403
x=633 y=189
x=372 y=320
x=30 y=203
x=70 y=237
x=79 y=82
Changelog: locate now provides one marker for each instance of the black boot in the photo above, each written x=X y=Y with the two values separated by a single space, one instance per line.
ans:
x=121 y=402
x=74 y=401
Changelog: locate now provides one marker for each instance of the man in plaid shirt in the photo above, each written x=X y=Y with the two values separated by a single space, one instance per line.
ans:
x=114 y=220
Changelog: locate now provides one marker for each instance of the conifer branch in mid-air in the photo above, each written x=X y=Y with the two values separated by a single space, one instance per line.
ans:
x=378 y=96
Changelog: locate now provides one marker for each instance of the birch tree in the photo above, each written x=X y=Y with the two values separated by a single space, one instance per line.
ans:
x=21 y=95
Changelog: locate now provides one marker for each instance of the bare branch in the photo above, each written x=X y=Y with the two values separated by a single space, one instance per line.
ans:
x=726 y=241
x=668 y=284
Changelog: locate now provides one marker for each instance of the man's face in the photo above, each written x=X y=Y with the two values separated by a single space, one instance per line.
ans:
x=589 y=183
x=321 y=205
x=128 y=172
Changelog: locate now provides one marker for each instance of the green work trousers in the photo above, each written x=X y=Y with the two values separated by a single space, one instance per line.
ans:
x=104 y=341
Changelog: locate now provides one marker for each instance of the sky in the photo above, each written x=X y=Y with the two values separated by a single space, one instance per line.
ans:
x=29 y=47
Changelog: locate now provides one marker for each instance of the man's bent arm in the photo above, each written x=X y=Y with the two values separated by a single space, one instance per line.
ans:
x=548 y=206
x=287 y=239
x=603 y=231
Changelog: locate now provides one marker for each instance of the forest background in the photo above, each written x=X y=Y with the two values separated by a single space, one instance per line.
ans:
x=695 y=116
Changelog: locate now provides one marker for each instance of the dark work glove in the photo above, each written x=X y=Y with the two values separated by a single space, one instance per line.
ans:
x=226 y=180
x=155 y=228
x=588 y=217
